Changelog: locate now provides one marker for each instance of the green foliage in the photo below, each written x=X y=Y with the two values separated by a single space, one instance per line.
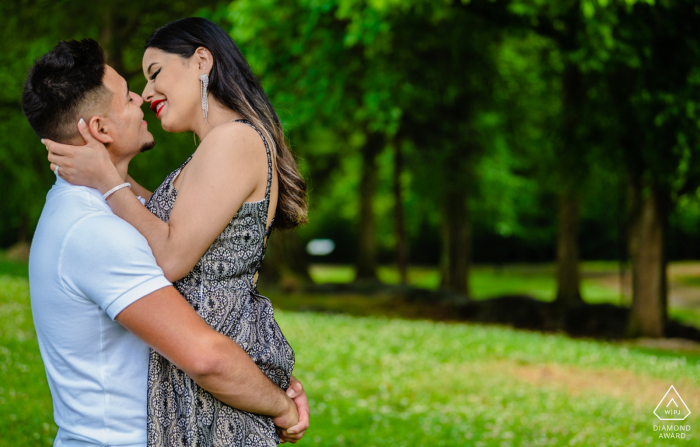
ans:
x=471 y=91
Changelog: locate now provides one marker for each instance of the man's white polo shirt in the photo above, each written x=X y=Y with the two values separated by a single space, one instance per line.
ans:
x=86 y=265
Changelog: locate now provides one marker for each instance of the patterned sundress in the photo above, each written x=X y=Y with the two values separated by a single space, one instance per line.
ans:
x=222 y=289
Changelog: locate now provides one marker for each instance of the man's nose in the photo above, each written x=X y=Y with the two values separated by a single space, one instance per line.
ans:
x=137 y=98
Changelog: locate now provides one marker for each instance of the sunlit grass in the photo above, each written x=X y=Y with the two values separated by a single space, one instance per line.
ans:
x=374 y=381
x=685 y=316
x=690 y=280
x=26 y=413
x=383 y=382
x=332 y=273
x=536 y=280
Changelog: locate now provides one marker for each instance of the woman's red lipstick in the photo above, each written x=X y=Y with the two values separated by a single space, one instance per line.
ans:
x=154 y=106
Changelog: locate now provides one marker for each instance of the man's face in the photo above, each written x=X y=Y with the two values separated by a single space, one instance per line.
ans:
x=128 y=129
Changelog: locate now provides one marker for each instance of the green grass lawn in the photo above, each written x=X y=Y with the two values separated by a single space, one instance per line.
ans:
x=485 y=281
x=26 y=413
x=375 y=381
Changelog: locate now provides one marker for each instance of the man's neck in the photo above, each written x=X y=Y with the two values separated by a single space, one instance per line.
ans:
x=122 y=165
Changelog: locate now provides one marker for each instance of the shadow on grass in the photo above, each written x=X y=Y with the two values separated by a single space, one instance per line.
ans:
x=599 y=321
x=603 y=320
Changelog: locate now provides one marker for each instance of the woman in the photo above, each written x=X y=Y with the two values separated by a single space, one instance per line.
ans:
x=209 y=221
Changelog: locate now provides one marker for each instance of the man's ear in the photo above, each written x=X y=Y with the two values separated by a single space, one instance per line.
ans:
x=100 y=129
x=204 y=60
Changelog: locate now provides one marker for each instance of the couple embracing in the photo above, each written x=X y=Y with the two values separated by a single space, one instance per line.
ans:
x=149 y=321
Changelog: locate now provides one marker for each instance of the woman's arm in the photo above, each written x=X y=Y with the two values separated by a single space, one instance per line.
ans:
x=218 y=180
x=138 y=189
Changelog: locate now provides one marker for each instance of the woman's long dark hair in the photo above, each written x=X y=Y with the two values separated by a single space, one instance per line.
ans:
x=232 y=83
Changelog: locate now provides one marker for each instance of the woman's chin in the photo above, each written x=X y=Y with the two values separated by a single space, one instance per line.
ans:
x=168 y=126
x=171 y=127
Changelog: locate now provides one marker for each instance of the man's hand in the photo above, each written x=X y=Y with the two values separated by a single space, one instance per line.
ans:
x=298 y=395
x=289 y=417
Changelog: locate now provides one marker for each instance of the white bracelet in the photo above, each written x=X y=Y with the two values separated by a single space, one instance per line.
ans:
x=115 y=189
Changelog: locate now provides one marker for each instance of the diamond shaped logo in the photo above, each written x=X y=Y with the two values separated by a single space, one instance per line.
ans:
x=672 y=407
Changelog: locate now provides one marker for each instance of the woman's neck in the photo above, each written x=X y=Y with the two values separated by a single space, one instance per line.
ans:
x=216 y=115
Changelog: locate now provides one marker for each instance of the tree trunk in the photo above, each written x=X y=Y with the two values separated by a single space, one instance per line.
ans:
x=571 y=171
x=399 y=223
x=568 y=278
x=109 y=44
x=366 y=263
x=646 y=247
x=455 y=226
x=115 y=30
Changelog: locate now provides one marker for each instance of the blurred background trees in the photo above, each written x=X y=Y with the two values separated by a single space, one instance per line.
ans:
x=440 y=134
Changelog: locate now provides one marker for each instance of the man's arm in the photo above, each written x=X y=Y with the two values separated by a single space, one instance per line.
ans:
x=168 y=324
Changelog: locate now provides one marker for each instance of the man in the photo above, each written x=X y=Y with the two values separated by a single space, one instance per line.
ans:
x=98 y=297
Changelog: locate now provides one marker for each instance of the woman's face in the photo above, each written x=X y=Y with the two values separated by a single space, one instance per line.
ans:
x=172 y=89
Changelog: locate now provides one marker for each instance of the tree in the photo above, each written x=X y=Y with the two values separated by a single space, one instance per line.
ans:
x=654 y=87
x=324 y=77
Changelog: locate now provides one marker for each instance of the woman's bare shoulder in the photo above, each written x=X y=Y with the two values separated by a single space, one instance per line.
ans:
x=234 y=138
x=229 y=150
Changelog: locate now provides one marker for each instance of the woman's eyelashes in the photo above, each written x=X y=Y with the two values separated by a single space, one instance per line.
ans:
x=153 y=76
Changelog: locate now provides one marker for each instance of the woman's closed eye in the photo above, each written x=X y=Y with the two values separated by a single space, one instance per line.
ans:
x=153 y=76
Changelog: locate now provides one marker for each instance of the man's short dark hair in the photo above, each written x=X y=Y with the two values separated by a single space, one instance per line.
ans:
x=64 y=85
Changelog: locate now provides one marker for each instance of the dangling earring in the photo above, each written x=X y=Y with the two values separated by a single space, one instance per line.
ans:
x=204 y=83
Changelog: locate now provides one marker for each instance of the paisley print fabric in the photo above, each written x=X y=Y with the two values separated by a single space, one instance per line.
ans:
x=222 y=289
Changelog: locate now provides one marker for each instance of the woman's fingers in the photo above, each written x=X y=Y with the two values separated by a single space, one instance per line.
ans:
x=86 y=165
x=59 y=160
x=55 y=158
x=85 y=132
x=57 y=148
x=62 y=171
x=64 y=164
x=65 y=149
x=50 y=145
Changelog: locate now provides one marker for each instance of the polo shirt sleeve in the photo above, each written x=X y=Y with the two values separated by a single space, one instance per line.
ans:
x=108 y=261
